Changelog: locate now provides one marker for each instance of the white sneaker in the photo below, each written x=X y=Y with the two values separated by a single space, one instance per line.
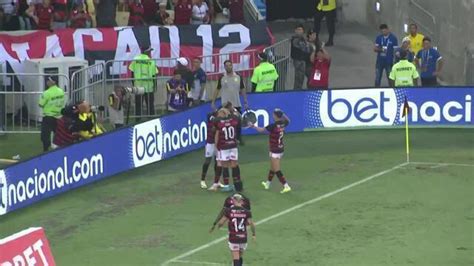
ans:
x=221 y=185
x=214 y=187
x=203 y=185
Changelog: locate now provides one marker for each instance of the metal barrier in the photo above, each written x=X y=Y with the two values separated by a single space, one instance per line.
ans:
x=88 y=84
x=96 y=82
x=117 y=73
x=280 y=55
x=19 y=96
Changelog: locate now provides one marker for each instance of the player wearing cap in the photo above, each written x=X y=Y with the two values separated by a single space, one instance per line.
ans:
x=276 y=132
x=237 y=218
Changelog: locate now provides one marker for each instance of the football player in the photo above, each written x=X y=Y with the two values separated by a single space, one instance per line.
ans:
x=237 y=218
x=276 y=131
x=226 y=144
x=210 y=149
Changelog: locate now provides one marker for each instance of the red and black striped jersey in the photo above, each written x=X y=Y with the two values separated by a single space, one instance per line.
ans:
x=227 y=129
x=277 y=131
x=211 y=130
x=237 y=224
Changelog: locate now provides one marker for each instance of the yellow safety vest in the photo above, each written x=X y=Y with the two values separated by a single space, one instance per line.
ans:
x=326 y=5
x=264 y=75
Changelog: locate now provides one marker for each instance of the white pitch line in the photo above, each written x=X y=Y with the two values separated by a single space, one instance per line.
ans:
x=197 y=262
x=296 y=207
x=443 y=164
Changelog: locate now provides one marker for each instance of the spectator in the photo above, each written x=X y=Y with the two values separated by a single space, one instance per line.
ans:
x=52 y=101
x=9 y=9
x=186 y=73
x=3 y=20
x=144 y=72
x=236 y=10
x=23 y=18
x=264 y=75
x=150 y=11
x=385 y=45
x=200 y=13
x=91 y=127
x=320 y=72
x=42 y=15
x=182 y=11
x=300 y=51
x=177 y=92
x=430 y=63
x=315 y=44
x=326 y=8
x=162 y=17
x=404 y=73
x=199 y=85
x=231 y=87
x=106 y=11
x=116 y=106
x=60 y=14
x=210 y=4
x=136 y=11
x=80 y=18
x=405 y=47
x=416 y=39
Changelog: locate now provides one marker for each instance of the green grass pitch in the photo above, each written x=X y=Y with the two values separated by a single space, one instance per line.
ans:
x=416 y=214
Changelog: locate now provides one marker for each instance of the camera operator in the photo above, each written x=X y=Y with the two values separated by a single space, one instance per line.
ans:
x=64 y=136
x=87 y=124
x=116 y=106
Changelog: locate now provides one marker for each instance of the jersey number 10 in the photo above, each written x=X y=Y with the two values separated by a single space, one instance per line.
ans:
x=229 y=132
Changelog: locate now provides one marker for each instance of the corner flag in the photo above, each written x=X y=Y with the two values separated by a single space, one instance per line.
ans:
x=405 y=112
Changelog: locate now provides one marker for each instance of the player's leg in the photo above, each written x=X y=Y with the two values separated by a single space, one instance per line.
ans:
x=236 y=176
x=235 y=252
x=276 y=159
x=209 y=153
x=225 y=175
x=271 y=174
x=236 y=257
x=205 y=167
x=218 y=170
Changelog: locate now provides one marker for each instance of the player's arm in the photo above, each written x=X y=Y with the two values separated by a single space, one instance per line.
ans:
x=216 y=137
x=259 y=129
x=218 y=218
x=252 y=227
x=216 y=93
x=243 y=92
x=219 y=224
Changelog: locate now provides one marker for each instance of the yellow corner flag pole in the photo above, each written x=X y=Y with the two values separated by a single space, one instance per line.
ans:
x=406 y=109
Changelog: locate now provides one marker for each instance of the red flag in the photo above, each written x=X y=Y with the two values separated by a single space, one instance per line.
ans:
x=406 y=108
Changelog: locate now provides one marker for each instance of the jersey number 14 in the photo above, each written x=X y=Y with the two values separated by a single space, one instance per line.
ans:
x=239 y=226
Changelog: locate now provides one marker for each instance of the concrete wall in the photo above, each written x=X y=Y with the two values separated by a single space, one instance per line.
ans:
x=450 y=24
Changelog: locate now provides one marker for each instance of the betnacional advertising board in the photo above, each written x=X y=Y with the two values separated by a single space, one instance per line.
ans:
x=64 y=169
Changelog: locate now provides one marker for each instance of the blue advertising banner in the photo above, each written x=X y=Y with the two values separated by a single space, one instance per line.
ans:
x=59 y=171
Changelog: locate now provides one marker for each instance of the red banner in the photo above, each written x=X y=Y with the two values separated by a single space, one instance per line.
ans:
x=28 y=247
x=124 y=43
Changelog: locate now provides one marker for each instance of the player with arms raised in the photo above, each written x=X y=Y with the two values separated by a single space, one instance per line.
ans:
x=237 y=218
x=226 y=144
x=276 y=132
